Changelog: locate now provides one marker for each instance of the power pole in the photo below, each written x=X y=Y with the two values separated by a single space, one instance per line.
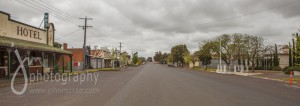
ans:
x=120 y=48
x=84 y=41
x=120 y=53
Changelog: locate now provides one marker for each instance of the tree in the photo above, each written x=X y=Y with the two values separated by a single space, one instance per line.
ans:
x=290 y=55
x=158 y=56
x=187 y=59
x=238 y=46
x=254 y=45
x=297 y=52
x=276 y=61
x=194 y=59
x=293 y=53
x=135 y=58
x=57 y=45
x=143 y=59
x=226 y=49
x=204 y=54
x=124 y=58
x=178 y=53
x=170 y=59
x=149 y=59
x=164 y=58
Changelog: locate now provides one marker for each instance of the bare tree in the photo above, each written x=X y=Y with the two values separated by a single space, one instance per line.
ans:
x=253 y=45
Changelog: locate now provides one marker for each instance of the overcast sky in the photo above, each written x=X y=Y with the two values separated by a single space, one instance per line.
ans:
x=148 y=26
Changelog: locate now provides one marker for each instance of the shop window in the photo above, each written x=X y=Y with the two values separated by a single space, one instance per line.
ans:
x=45 y=60
x=32 y=56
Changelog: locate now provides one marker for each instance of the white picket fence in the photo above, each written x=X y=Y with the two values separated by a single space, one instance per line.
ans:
x=234 y=69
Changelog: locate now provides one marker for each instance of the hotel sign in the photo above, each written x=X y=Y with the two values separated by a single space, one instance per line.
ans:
x=46 y=21
x=28 y=33
x=18 y=30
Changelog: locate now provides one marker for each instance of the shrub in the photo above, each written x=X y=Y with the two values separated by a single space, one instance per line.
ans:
x=277 y=68
x=197 y=67
x=285 y=68
x=258 y=68
x=288 y=70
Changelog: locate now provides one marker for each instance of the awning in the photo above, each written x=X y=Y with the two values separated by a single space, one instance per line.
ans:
x=27 y=45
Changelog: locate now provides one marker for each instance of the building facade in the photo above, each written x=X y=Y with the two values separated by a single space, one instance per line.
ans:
x=77 y=59
x=23 y=44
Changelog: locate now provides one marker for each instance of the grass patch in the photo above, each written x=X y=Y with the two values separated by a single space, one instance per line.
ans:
x=90 y=71
x=103 y=69
x=294 y=79
x=203 y=69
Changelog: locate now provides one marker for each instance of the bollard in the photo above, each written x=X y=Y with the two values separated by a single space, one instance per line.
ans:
x=218 y=68
x=242 y=69
x=224 y=68
x=234 y=68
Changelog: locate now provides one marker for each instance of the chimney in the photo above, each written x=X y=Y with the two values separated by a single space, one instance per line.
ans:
x=65 y=46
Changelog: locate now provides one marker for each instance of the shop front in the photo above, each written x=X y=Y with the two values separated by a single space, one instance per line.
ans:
x=27 y=47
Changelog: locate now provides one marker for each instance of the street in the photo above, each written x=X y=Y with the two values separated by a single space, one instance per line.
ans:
x=159 y=85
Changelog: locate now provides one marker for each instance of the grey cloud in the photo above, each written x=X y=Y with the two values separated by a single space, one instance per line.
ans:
x=157 y=25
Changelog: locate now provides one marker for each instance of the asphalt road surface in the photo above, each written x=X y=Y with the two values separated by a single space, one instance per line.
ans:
x=157 y=85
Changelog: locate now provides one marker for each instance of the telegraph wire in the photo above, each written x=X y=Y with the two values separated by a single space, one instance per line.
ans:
x=44 y=7
x=68 y=34
x=39 y=9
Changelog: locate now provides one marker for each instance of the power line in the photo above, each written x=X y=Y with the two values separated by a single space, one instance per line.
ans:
x=42 y=6
x=68 y=34
x=52 y=6
x=38 y=8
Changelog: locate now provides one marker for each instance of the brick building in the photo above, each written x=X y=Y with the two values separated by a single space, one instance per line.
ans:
x=77 y=59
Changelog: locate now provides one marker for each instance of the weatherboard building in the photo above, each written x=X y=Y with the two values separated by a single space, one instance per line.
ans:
x=21 y=43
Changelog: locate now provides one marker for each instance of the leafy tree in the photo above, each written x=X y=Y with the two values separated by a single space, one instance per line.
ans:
x=187 y=59
x=293 y=52
x=149 y=59
x=170 y=59
x=236 y=47
x=158 y=56
x=57 y=45
x=178 y=53
x=143 y=59
x=226 y=49
x=204 y=54
x=164 y=58
x=139 y=62
x=297 y=52
x=194 y=58
x=290 y=55
x=124 y=58
x=135 y=58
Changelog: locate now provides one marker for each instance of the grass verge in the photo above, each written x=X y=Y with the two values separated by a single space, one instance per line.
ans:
x=203 y=69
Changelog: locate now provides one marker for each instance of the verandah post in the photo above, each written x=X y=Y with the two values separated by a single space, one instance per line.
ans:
x=9 y=62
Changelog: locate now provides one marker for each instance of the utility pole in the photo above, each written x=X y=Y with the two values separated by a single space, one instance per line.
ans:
x=84 y=41
x=120 y=53
x=120 y=47
x=220 y=56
